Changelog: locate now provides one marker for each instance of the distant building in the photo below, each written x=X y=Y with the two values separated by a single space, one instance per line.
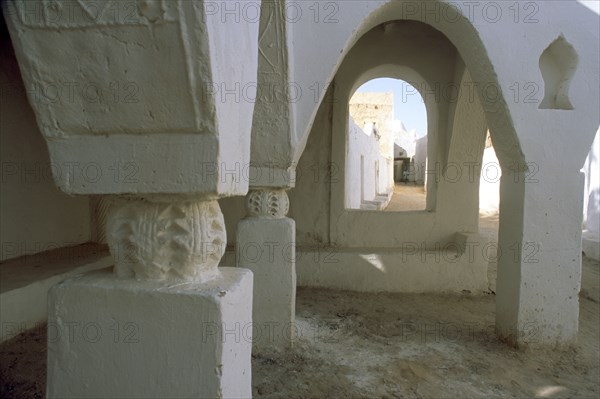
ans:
x=375 y=113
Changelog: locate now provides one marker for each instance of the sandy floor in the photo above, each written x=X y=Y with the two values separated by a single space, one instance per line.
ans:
x=407 y=197
x=361 y=345
x=384 y=345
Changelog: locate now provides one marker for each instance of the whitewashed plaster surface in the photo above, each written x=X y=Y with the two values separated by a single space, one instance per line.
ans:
x=144 y=94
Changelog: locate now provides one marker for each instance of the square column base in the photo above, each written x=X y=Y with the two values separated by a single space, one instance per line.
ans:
x=117 y=338
x=268 y=248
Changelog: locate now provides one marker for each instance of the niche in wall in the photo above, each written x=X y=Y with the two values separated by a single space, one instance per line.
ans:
x=558 y=64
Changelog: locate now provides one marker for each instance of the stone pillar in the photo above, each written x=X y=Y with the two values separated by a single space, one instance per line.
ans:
x=539 y=257
x=266 y=244
x=167 y=322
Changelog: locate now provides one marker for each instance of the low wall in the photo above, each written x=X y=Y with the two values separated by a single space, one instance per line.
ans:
x=461 y=265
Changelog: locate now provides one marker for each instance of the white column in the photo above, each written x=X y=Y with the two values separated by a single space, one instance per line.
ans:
x=167 y=322
x=266 y=244
x=539 y=257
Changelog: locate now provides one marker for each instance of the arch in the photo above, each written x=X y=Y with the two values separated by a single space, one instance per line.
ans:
x=410 y=75
x=466 y=39
x=471 y=50
x=428 y=228
x=372 y=56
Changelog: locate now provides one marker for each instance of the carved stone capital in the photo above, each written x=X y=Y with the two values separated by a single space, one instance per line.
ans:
x=166 y=240
x=268 y=203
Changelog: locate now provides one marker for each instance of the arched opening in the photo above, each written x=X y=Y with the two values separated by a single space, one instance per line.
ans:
x=457 y=81
x=489 y=207
x=387 y=162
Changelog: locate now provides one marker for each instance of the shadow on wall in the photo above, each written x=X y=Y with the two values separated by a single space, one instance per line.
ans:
x=35 y=215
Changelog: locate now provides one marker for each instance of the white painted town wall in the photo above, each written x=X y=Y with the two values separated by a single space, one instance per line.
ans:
x=420 y=160
x=368 y=171
x=385 y=175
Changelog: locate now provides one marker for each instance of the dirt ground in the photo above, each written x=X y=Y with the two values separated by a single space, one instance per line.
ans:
x=385 y=345
x=391 y=345
x=407 y=197
x=420 y=346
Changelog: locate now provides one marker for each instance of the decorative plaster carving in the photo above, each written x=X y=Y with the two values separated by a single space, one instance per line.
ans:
x=100 y=206
x=166 y=240
x=273 y=204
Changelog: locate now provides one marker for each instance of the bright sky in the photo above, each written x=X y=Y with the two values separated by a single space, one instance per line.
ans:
x=408 y=103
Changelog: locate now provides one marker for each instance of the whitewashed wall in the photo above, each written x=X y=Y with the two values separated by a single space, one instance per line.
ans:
x=35 y=216
x=420 y=160
x=368 y=171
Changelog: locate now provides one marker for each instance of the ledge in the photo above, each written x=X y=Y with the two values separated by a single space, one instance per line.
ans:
x=25 y=281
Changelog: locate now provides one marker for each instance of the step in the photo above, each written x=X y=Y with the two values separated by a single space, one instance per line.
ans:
x=25 y=281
